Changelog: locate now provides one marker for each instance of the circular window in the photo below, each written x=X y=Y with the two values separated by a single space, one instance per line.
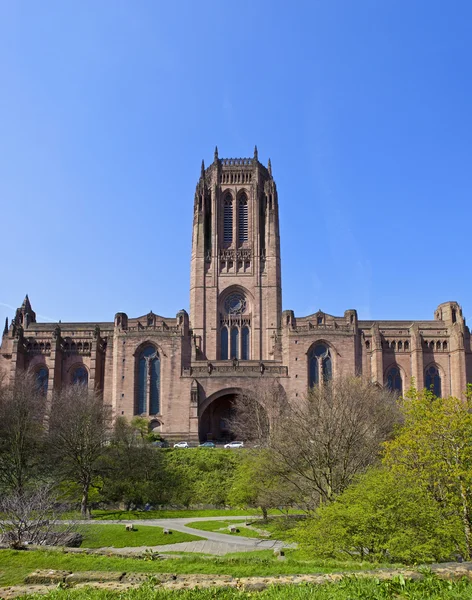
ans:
x=235 y=304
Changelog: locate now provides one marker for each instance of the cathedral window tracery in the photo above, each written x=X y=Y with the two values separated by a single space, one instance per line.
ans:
x=42 y=376
x=235 y=325
x=80 y=376
x=432 y=380
x=149 y=380
x=228 y=220
x=243 y=219
x=394 y=380
x=320 y=365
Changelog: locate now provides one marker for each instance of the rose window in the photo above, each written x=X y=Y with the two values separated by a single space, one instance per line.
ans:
x=235 y=304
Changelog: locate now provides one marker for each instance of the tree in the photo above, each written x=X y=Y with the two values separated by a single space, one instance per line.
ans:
x=22 y=419
x=256 y=409
x=380 y=517
x=435 y=447
x=133 y=469
x=31 y=515
x=80 y=427
x=320 y=442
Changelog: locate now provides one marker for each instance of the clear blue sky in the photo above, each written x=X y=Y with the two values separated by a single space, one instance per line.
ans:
x=107 y=109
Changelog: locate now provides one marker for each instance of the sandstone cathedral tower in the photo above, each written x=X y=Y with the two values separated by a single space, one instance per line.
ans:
x=182 y=373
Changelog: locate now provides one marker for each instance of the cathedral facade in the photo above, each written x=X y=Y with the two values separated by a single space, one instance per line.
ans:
x=182 y=373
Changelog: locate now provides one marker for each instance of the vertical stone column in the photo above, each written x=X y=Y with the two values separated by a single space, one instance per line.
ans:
x=377 y=356
x=417 y=362
x=55 y=369
x=457 y=364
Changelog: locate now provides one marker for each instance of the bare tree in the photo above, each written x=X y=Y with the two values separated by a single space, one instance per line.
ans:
x=80 y=427
x=333 y=434
x=255 y=410
x=22 y=413
x=31 y=516
x=320 y=442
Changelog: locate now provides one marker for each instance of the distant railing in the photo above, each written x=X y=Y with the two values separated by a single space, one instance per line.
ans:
x=234 y=162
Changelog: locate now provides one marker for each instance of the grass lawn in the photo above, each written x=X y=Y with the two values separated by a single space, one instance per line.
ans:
x=101 y=536
x=349 y=589
x=15 y=565
x=223 y=527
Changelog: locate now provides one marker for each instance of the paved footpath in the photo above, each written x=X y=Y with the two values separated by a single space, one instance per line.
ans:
x=215 y=543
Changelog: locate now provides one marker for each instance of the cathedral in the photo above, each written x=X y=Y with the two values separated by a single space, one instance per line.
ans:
x=182 y=373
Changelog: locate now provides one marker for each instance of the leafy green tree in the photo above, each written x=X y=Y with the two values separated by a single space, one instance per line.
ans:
x=133 y=468
x=381 y=517
x=434 y=447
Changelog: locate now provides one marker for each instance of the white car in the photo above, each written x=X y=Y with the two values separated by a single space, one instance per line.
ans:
x=235 y=445
x=181 y=445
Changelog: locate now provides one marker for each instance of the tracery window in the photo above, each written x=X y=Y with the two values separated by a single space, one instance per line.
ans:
x=243 y=219
x=320 y=365
x=149 y=382
x=394 y=380
x=80 y=376
x=432 y=380
x=42 y=376
x=228 y=220
x=235 y=328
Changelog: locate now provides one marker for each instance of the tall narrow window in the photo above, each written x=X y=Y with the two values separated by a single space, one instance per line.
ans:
x=245 y=343
x=319 y=365
x=394 y=380
x=234 y=343
x=432 y=380
x=149 y=380
x=224 y=343
x=42 y=376
x=80 y=376
x=228 y=220
x=243 y=219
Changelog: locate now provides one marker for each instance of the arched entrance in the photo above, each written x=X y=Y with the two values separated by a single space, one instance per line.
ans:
x=233 y=413
x=215 y=419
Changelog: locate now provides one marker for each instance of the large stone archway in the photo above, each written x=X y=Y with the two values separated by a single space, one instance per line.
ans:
x=215 y=421
x=222 y=417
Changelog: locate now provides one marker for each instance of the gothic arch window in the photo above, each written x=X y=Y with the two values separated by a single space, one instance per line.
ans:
x=149 y=382
x=42 y=376
x=224 y=343
x=432 y=380
x=320 y=365
x=245 y=343
x=228 y=220
x=80 y=376
x=394 y=380
x=235 y=326
x=243 y=219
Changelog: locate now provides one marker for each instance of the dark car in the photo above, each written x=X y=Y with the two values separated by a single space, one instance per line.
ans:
x=207 y=445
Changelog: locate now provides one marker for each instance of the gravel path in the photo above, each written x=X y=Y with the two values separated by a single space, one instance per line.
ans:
x=215 y=543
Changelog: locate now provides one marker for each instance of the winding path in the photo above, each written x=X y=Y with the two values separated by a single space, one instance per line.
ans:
x=215 y=543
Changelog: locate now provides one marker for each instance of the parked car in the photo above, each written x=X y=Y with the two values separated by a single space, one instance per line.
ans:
x=235 y=445
x=208 y=445
x=160 y=444
x=182 y=445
